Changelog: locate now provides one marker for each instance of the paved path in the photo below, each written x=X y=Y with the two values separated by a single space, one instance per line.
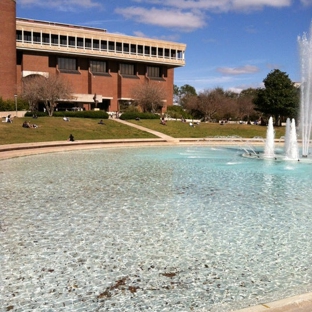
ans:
x=300 y=303
x=159 y=134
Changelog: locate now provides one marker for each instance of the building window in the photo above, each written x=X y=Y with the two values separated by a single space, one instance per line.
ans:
x=133 y=48
x=180 y=55
x=98 y=67
x=88 y=43
x=111 y=46
x=96 y=44
x=45 y=38
x=153 y=71
x=36 y=37
x=126 y=47
x=140 y=49
x=160 y=52
x=146 y=50
x=67 y=64
x=54 y=39
x=19 y=35
x=27 y=36
x=63 y=40
x=118 y=47
x=103 y=45
x=127 y=69
x=72 y=41
x=80 y=43
x=154 y=51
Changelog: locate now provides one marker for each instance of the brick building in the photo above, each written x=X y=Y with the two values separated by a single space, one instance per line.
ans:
x=100 y=66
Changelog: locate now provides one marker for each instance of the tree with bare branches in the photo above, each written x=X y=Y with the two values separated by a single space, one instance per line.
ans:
x=207 y=104
x=49 y=90
x=149 y=97
x=29 y=92
x=246 y=107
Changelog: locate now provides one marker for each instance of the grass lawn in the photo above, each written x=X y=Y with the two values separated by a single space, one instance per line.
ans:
x=178 y=129
x=55 y=129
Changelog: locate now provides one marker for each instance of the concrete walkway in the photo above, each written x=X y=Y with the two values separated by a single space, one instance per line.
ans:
x=300 y=303
x=159 y=134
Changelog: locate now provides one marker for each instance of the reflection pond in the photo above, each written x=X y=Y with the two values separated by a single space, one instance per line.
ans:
x=188 y=228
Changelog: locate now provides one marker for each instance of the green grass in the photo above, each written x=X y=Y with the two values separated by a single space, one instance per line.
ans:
x=178 y=129
x=55 y=129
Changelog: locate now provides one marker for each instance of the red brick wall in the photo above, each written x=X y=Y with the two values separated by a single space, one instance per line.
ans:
x=111 y=85
x=7 y=49
x=169 y=85
x=128 y=84
x=36 y=63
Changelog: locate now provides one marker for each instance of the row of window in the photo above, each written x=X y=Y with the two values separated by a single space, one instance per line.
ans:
x=96 y=44
x=100 y=67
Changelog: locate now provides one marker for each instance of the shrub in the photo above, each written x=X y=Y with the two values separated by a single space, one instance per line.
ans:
x=78 y=114
x=176 y=111
x=135 y=115
x=38 y=114
x=9 y=105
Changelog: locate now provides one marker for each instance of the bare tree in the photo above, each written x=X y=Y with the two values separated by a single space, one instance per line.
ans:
x=210 y=103
x=245 y=104
x=149 y=97
x=49 y=90
x=29 y=93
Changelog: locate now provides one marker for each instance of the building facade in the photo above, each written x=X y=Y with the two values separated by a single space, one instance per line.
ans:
x=8 y=79
x=102 y=68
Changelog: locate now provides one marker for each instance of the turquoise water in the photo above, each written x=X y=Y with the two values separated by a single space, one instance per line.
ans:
x=153 y=229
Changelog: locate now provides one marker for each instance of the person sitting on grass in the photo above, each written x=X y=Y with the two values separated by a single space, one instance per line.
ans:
x=163 y=121
x=8 y=119
x=26 y=124
x=101 y=122
x=71 y=138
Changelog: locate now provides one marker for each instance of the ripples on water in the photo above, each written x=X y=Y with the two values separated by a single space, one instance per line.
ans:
x=159 y=229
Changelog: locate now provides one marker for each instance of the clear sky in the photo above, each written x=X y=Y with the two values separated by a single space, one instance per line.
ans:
x=232 y=44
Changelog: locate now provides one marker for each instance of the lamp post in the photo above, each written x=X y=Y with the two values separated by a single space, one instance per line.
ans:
x=15 y=100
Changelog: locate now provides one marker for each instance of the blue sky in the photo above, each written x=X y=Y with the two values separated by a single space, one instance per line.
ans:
x=232 y=44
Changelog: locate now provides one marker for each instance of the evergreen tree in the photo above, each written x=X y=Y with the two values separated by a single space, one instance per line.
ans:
x=279 y=98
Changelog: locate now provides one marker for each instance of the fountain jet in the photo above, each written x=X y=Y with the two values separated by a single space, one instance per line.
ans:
x=291 y=145
x=269 y=142
x=305 y=47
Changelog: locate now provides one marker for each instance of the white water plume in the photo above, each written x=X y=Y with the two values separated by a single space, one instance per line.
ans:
x=305 y=47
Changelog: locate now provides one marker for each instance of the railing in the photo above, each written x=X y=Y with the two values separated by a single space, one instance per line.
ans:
x=107 y=51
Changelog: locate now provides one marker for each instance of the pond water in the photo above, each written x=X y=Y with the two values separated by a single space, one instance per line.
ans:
x=190 y=228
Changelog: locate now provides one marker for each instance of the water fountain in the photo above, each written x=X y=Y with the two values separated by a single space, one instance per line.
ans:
x=305 y=47
x=291 y=151
x=269 y=142
x=287 y=135
x=291 y=145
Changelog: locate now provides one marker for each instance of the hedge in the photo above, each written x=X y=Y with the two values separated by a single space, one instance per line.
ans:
x=136 y=115
x=73 y=114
